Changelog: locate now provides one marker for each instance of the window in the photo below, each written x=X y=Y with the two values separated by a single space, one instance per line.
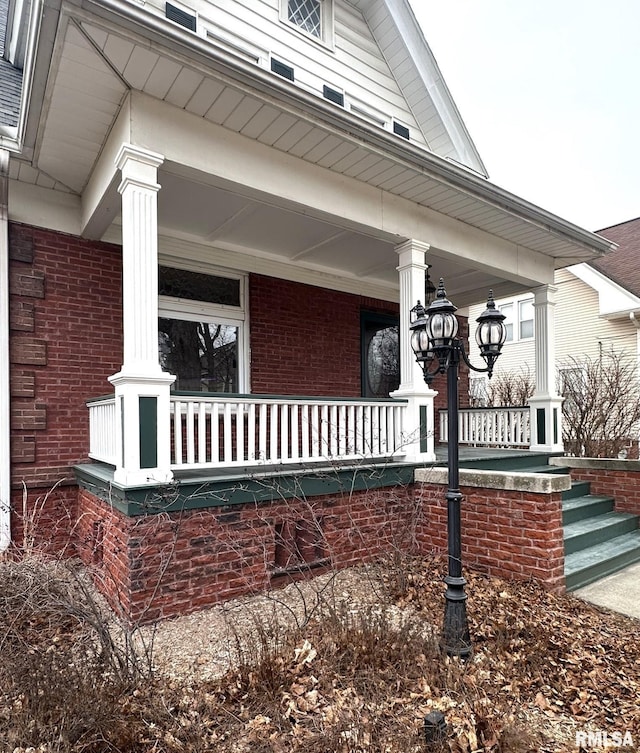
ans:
x=507 y=310
x=380 y=347
x=201 y=331
x=522 y=327
x=525 y=319
x=313 y=17
x=306 y=14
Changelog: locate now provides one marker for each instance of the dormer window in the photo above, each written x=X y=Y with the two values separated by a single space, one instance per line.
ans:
x=307 y=14
x=312 y=17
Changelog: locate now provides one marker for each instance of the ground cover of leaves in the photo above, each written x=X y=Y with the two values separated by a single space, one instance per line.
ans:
x=350 y=678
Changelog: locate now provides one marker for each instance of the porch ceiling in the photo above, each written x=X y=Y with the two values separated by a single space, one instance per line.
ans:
x=99 y=57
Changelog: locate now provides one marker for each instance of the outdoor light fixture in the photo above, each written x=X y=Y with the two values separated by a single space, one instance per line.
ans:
x=438 y=350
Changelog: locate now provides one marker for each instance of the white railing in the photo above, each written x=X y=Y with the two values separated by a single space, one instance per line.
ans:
x=490 y=427
x=212 y=431
x=102 y=429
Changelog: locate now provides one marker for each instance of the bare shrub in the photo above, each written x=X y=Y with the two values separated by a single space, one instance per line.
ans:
x=601 y=410
x=63 y=668
x=512 y=389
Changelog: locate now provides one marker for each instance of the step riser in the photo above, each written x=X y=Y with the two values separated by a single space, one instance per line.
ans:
x=600 y=535
x=585 y=576
x=578 y=489
x=597 y=507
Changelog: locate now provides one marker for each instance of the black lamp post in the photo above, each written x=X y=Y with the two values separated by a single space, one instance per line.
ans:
x=438 y=350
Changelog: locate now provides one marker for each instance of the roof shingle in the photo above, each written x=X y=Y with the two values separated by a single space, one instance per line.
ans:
x=622 y=265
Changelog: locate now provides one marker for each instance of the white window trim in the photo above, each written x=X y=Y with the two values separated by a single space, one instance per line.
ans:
x=327 y=19
x=233 y=316
x=516 y=321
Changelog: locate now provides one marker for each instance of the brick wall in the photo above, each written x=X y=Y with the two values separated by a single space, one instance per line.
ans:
x=622 y=485
x=66 y=335
x=157 y=566
x=508 y=534
x=306 y=340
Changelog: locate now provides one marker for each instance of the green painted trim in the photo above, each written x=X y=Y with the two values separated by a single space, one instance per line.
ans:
x=200 y=493
x=148 y=407
x=540 y=426
x=555 y=426
x=424 y=445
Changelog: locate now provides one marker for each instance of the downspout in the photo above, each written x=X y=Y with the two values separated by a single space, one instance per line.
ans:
x=5 y=437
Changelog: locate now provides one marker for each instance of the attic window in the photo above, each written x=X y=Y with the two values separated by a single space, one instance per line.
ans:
x=307 y=14
x=180 y=16
x=312 y=17
x=286 y=71
x=333 y=95
x=400 y=130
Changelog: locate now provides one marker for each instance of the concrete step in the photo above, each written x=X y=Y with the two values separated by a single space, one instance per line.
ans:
x=587 y=506
x=595 y=562
x=596 y=530
x=578 y=489
x=514 y=462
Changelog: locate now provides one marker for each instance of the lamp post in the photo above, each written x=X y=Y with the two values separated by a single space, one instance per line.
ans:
x=438 y=350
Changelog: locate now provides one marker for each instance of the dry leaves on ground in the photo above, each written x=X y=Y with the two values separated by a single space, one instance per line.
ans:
x=362 y=672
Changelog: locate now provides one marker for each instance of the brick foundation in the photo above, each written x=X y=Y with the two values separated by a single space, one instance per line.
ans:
x=156 y=566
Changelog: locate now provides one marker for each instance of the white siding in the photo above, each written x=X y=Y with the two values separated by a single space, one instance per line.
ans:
x=353 y=63
x=580 y=331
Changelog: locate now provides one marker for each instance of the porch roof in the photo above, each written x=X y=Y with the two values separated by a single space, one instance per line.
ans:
x=83 y=69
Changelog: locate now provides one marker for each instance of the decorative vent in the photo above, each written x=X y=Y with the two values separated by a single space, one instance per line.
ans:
x=179 y=16
x=333 y=95
x=286 y=71
x=400 y=130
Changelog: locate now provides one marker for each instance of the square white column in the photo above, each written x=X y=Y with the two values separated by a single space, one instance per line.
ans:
x=142 y=388
x=545 y=404
x=418 y=422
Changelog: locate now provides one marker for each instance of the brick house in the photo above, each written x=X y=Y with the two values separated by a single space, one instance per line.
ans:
x=215 y=219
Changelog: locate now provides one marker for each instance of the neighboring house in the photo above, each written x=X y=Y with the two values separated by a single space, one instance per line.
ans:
x=246 y=192
x=597 y=310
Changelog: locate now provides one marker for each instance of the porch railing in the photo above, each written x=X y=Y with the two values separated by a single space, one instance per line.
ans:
x=240 y=430
x=221 y=430
x=102 y=429
x=490 y=427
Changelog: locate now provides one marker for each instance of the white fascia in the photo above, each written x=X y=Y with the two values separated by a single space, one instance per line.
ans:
x=614 y=300
x=25 y=26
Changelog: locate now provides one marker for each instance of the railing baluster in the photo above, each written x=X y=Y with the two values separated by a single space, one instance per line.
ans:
x=251 y=432
x=240 y=432
x=305 y=427
x=263 y=432
x=227 y=449
x=273 y=428
x=202 y=432
x=284 y=432
x=295 y=432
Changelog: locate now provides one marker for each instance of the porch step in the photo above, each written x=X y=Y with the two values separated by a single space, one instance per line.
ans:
x=595 y=562
x=523 y=463
x=575 y=509
x=578 y=489
x=598 y=529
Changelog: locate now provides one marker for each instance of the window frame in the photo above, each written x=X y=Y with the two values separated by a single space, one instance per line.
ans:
x=521 y=303
x=186 y=309
x=326 y=38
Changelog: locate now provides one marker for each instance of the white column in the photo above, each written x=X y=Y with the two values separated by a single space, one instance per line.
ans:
x=5 y=436
x=142 y=388
x=545 y=404
x=418 y=422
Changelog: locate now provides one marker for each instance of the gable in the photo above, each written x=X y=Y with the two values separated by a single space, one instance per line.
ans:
x=372 y=61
